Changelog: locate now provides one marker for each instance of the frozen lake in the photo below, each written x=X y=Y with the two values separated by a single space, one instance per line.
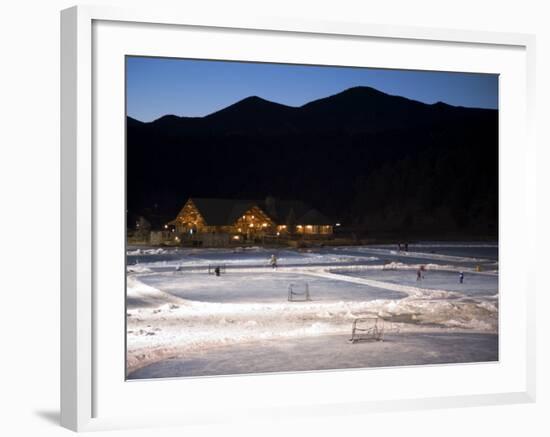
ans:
x=183 y=321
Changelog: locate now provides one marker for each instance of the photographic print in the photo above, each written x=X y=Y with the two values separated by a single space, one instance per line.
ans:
x=285 y=218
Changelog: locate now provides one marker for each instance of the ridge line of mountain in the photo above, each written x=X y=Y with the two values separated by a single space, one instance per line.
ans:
x=352 y=92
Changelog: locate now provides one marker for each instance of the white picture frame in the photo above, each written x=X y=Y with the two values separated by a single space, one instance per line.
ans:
x=88 y=402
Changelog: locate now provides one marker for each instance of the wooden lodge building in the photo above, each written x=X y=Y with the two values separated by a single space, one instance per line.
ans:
x=219 y=221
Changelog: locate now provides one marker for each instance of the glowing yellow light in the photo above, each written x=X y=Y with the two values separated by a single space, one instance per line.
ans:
x=240 y=230
x=264 y=225
x=165 y=226
x=235 y=237
x=278 y=233
x=252 y=217
x=309 y=226
x=283 y=227
x=299 y=226
x=250 y=225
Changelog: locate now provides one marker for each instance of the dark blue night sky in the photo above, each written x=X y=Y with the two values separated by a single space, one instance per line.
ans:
x=160 y=86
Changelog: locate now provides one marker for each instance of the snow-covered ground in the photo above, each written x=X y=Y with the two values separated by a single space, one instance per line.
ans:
x=177 y=311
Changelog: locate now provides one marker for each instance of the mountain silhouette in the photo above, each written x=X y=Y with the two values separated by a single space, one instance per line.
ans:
x=362 y=156
x=358 y=109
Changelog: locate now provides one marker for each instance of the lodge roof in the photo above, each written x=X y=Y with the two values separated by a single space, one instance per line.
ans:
x=285 y=211
x=314 y=217
x=225 y=212
x=222 y=212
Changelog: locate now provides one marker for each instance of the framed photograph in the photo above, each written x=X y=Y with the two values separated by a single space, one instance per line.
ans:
x=265 y=218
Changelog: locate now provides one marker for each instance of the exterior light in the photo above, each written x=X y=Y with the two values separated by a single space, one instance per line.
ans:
x=165 y=226
x=278 y=233
x=264 y=225
x=240 y=230
x=309 y=226
x=177 y=238
x=235 y=237
x=252 y=217
x=250 y=225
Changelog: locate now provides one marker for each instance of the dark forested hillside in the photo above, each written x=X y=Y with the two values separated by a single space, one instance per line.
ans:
x=362 y=157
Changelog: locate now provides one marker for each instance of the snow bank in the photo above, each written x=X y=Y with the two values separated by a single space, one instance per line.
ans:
x=139 y=251
x=146 y=296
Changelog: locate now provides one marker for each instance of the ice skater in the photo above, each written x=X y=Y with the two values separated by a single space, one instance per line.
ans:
x=273 y=262
x=217 y=270
x=461 y=277
x=420 y=273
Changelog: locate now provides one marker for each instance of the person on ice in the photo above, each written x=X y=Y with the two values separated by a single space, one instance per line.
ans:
x=217 y=270
x=420 y=273
x=461 y=277
x=273 y=262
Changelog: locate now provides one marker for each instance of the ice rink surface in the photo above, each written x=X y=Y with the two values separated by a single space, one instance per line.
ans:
x=270 y=286
x=474 y=284
x=309 y=353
